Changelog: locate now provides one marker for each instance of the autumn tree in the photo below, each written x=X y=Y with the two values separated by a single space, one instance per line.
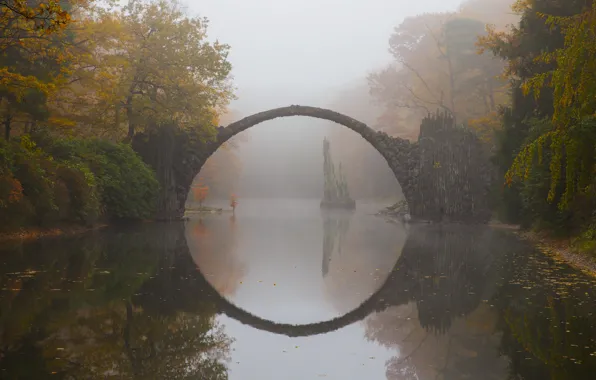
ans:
x=160 y=68
x=437 y=67
x=543 y=53
x=200 y=192
x=408 y=87
x=34 y=58
x=572 y=136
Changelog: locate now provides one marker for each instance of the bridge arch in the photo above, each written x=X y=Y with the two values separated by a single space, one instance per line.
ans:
x=397 y=152
x=378 y=301
x=444 y=176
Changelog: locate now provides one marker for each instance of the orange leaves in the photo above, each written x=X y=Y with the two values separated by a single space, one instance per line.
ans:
x=200 y=230
x=11 y=190
x=20 y=84
x=520 y=6
x=47 y=17
x=200 y=192
x=16 y=191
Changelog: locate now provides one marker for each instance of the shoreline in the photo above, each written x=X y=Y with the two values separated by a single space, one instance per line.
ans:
x=558 y=249
x=561 y=250
x=29 y=234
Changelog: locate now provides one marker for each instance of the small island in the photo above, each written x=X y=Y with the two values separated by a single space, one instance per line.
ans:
x=336 y=194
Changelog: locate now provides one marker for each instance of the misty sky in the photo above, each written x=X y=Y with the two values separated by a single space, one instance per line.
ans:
x=298 y=51
x=306 y=52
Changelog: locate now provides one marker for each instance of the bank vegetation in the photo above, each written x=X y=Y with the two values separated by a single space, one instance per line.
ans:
x=79 y=80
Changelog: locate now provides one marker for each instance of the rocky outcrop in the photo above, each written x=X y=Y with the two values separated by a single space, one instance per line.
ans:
x=454 y=173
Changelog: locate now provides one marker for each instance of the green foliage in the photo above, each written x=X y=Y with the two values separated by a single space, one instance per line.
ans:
x=547 y=143
x=112 y=289
x=127 y=187
x=35 y=171
x=45 y=181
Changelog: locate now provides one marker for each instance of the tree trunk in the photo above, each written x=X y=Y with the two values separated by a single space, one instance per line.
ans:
x=487 y=108
x=491 y=96
x=451 y=90
x=117 y=117
x=130 y=116
x=7 y=128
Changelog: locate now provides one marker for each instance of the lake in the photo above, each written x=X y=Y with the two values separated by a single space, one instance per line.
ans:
x=283 y=290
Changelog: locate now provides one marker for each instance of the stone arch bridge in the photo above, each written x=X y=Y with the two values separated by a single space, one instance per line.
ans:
x=444 y=175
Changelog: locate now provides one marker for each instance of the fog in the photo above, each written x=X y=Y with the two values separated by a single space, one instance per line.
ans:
x=292 y=48
x=308 y=52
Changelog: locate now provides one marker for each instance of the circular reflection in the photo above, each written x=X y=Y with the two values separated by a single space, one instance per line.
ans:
x=300 y=268
x=359 y=253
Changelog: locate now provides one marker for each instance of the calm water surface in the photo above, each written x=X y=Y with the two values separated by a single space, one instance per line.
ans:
x=283 y=290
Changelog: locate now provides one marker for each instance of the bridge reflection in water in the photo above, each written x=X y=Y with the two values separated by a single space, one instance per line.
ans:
x=445 y=275
x=443 y=269
x=460 y=302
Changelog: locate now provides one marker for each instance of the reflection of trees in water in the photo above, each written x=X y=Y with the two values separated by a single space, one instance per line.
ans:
x=212 y=244
x=335 y=227
x=477 y=295
x=445 y=332
x=449 y=267
x=547 y=319
x=125 y=305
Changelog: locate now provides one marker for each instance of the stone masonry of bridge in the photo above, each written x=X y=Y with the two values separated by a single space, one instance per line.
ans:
x=443 y=176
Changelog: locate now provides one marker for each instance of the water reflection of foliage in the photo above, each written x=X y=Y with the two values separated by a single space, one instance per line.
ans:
x=129 y=342
x=108 y=305
x=547 y=320
x=212 y=243
x=488 y=295
x=445 y=331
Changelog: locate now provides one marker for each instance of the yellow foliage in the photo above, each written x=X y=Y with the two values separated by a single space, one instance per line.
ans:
x=486 y=126
x=519 y=6
x=570 y=138
x=19 y=84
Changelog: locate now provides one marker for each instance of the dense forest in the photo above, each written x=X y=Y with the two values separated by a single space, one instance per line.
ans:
x=79 y=80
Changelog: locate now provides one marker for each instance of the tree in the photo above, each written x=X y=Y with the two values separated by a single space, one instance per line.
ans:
x=410 y=83
x=572 y=137
x=162 y=68
x=524 y=132
x=34 y=58
x=200 y=193
x=437 y=67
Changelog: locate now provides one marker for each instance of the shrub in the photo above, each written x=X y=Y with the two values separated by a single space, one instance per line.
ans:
x=127 y=185
x=44 y=181
x=31 y=171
